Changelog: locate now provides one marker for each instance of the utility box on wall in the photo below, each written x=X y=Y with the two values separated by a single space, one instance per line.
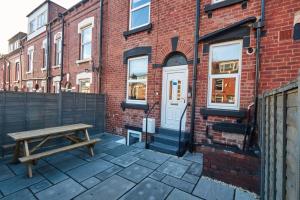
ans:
x=151 y=125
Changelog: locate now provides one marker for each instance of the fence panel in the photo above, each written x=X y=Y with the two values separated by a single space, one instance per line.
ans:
x=29 y=111
x=280 y=115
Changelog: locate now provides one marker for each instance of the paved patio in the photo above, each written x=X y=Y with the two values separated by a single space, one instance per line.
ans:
x=116 y=172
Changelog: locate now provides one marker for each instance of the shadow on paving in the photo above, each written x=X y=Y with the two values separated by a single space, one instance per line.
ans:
x=115 y=172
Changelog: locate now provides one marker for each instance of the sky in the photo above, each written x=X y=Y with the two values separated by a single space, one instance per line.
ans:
x=13 y=17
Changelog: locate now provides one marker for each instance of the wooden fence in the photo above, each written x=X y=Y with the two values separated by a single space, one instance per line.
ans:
x=280 y=143
x=29 y=111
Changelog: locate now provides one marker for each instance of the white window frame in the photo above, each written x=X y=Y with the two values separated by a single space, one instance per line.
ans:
x=58 y=39
x=131 y=10
x=30 y=53
x=130 y=101
x=34 y=24
x=82 y=44
x=45 y=55
x=217 y=1
x=237 y=76
x=39 y=22
x=135 y=132
x=17 y=72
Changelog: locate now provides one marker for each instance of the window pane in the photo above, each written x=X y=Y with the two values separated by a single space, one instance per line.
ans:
x=86 y=35
x=86 y=51
x=137 y=91
x=225 y=59
x=140 y=17
x=138 y=69
x=137 y=3
x=84 y=86
x=223 y=90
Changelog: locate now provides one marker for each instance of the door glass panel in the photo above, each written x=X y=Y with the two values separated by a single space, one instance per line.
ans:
x=223 y=90
x=179 y=90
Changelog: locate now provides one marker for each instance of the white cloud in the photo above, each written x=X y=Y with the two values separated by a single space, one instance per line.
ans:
x=13 y=17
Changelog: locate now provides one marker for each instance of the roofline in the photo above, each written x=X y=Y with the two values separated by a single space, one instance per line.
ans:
x=20 y=32
x=46 y=1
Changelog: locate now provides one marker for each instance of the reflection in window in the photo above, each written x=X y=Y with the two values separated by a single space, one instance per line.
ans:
x=137 y=80
x=86 y=43
x=225 y=66
x=139 y=13
x=84 y=85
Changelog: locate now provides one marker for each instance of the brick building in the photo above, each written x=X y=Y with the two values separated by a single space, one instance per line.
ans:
x=148 y=58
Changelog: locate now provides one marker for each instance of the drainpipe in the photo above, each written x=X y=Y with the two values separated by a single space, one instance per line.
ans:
x=196 y=43
x=4 y=74
x=62 y=17
x=100 y=46
x=8 y=68
x=20 y=70
x=48 y=82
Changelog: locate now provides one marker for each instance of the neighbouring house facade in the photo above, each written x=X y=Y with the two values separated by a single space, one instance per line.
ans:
x=198 y=65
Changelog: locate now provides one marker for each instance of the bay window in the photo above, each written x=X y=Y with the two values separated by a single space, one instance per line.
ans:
x=139 y=13
x=86 y=43
x=137 y=80
x=225 y=61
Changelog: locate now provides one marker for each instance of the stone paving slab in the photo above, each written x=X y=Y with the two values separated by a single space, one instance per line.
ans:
x=20 y=169
x=20 y=195
x=157 y=175
x=119 y=151
x=108 y=158
x=125 y=160
x=152 y=156
x=111 y=189
x=1 y=195
x=65 y=190
x=135 y=173
x=40 y=186
x=148 y=189
x=194 y=157
x=190 y=178
x=109 y=172
x=65 y=161
x=211 y=190
x=244 y=195
x=178 y=183
x=148 y=164
x=17 y=183
x=6 y=173
x=173 y=169
x=180 y=161
x=84 y=155
x=195 y=169
x=88 y=170
x=91 y=182
x=180 y=195
x=52 y=174
x=111 y=145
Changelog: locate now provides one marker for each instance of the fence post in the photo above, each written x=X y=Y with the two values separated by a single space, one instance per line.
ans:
x=298 y=128
x=60 y=99
x=262 y=146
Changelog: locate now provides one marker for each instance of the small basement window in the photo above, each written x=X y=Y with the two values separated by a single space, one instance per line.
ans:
x=224 y=75
x=133 y=137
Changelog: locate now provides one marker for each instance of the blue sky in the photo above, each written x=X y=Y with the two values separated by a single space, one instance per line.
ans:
x=13 y=17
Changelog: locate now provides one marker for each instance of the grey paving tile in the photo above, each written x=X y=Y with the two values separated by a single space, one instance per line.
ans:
x=40 y=186
x=1 y=195
x=244 y=195
x=108 y=158
x=111 y=145
x=88 y=170
x=180 y=195
x=178 y=183
x=6 y=173
x=109 y=172
x=65 y=161
x=190 y=178
x=157 y=175
x=180 y=161
x=125 y=160
x=195 y=169
x=173 y=169
x=135 y=173
x=91 y=182
x=148 y=189
x=65 y=190
x=212 y=190
x=21 y=169
x=148 y=164
x=17 y=183
x=52 y=174
x=84 y=155
x=194 y=157
x=111 y=189
x=140 y=145
x=20 y=195
x=134 y=151
x=152 y=156
x=118 y=151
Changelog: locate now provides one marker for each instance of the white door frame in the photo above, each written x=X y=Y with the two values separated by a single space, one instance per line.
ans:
x=164 y=92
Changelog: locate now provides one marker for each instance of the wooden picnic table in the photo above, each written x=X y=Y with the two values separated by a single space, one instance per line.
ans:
x=43 y=135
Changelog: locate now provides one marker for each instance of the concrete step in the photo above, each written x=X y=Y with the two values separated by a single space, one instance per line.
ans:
x=170 y=132
x=163 y=148
x=169 y=140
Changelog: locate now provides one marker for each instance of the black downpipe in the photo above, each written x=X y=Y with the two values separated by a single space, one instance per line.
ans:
x=100 y=46
x=48 y=57
x=196 y=43
x=62 y=17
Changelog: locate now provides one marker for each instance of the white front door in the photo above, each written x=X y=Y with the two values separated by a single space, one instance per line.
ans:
x=174 y=96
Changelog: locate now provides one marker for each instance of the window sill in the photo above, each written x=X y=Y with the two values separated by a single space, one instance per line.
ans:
x=78 y=62
x=148 y=28
x=125 y=105
x=29 y=72
x=43 y=69
x=211 y=7
x=16 y=81
x=241 y=114
x=56 y=66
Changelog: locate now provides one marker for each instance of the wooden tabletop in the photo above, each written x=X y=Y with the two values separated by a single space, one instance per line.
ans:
x=25 y=135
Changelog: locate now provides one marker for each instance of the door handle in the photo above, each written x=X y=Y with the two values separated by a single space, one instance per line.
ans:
x=174 y=104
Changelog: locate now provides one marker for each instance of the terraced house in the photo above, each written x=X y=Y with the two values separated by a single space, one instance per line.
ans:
x=189 y=71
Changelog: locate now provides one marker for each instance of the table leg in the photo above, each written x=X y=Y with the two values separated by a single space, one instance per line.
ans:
x=16 y=153
x=87 y=137
x=29 y=165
